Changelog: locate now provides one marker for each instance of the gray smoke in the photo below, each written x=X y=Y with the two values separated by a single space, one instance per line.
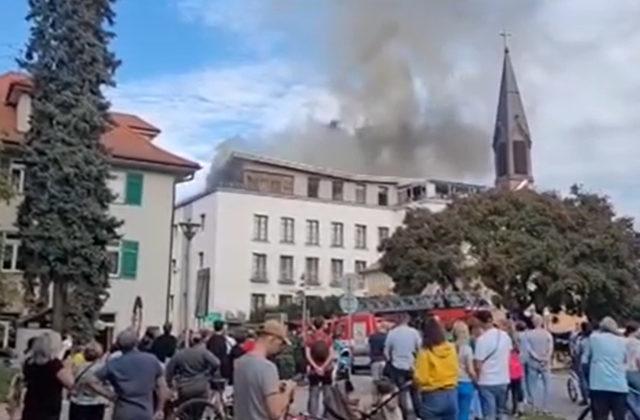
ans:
x=414 y=80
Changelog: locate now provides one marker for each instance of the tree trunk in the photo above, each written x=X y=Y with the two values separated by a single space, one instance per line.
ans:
x=59 y=302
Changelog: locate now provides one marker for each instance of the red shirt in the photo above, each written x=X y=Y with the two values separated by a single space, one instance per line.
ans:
x=319 y=336
x=248 y=345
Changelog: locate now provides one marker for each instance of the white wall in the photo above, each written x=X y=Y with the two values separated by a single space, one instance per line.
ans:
x=150 y=225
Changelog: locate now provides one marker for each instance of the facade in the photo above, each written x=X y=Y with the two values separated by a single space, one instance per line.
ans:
x=272 y=228
x=144 y=180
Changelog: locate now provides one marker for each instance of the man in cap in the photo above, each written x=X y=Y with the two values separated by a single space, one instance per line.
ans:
x=134 y=377
x=258 y=392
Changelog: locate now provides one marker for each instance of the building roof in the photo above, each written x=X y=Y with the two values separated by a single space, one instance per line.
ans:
x=511 y=122
x=320 y=170
x=127 y=140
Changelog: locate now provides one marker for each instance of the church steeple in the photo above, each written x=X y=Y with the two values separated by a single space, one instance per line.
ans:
x=511 y=138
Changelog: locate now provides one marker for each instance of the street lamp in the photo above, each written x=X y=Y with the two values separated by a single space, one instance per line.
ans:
x=303 y=294
x=189 y=230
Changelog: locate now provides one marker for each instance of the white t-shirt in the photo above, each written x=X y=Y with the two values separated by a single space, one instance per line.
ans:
x=493 y=349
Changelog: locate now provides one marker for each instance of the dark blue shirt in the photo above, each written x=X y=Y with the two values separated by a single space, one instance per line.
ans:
x=133 y=377
x=376 y=346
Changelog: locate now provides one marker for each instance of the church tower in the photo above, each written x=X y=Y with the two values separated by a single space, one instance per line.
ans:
x=511 y=138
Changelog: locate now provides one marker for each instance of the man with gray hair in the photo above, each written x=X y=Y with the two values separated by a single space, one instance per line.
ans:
x=538 y=345
x=134 y=377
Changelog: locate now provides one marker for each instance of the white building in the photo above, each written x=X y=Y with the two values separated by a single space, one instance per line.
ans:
x=144 y=180
x=270 y=222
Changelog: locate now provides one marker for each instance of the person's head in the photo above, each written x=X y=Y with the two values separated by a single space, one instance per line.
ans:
x=485 y=318
x=432 y=334
x=167 y=328
x=272 y=337
x=520 y=326
x=585 y=328
x=631 y=329
x=318 y=323
x=337 y=333
x=196 y=339
x=127 y=340
x=537 y=320
x=460 y=331
x=92 y=351
x=251 y=334
x=240 y=335
x=151 y=333
x=218 y=326
x=43 y=349
x=403 y=318
x=30 y=345
x=609 y=325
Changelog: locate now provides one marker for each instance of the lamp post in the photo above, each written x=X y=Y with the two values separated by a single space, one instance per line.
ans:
x=303 y=293
x=189 y=230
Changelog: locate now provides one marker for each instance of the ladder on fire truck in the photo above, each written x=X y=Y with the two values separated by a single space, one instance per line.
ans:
x=442 y=300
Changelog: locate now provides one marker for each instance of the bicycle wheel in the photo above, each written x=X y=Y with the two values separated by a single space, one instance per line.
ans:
x=572 y=389
x=199 y=410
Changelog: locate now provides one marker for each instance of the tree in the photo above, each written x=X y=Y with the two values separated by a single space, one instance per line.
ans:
x=63 y=221
x=528 y=247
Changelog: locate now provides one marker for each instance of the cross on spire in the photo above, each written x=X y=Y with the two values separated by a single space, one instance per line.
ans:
x=505 y=37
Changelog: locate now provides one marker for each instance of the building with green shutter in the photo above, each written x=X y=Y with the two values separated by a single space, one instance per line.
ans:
x=144 y=182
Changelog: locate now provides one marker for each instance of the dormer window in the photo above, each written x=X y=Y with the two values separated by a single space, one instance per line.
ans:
x=23 y=113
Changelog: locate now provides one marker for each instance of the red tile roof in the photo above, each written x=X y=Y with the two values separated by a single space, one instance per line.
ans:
x=128 y=139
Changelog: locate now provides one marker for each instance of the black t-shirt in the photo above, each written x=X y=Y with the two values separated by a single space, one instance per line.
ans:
x=217 y=345
x=164 y=347
x=376 y=346
x=44 y=390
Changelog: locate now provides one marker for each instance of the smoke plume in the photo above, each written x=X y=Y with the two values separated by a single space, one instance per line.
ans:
x=415 y=81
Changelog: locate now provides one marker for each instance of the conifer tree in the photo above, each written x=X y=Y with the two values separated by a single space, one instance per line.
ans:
x=63 y=221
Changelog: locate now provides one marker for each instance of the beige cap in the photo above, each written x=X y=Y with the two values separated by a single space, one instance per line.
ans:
x=276 y=329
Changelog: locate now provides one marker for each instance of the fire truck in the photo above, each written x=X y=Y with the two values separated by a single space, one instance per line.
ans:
x=447 y=307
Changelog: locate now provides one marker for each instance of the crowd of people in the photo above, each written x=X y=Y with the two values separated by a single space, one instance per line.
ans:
x=468 y=369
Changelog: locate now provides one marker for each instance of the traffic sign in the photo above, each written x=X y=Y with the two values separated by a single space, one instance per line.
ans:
x=349 y=304
x=213 y=317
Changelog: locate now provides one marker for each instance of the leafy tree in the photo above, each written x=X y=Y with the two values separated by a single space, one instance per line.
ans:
x=63 y=220
x=528 y=247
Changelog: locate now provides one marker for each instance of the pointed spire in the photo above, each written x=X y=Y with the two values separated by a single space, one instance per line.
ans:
x=511 y=138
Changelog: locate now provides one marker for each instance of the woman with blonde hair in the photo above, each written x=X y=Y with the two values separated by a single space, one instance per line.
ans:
x=44 y=377
x=85 y=403
x=466 y=373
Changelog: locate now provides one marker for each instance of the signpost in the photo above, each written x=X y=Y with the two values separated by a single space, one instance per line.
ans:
x=349 y=302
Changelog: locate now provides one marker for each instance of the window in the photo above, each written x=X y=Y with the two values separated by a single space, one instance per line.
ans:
x=361 y=237
x=337 y=271
x=259 y=268
x=127 y=187
x=268 y=182
x=383 y=233
x=260 y=228
x=11 y=260
x=337 y=234
x=313 y=232
x=129 y=259
x=113 y=252
x=361 y=193
x=360 y=266
x=258 y=301
x=520 y=157
x=501 y=159
x=201 y=259
x=285 y=300
x=337 y=188
x=311 y=271
x=383 y=196
x=286 y=269
x=313 y=185
x=16 y=177
x=287 y=234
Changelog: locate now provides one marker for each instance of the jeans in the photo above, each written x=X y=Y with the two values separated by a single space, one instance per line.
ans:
x=515 y=389
x=493 y=399
x=377 y=369
x=583 y=377
x=439 y=405
x=536 y=376
x=465 y=396
x=633 y=379
x=605 y=402
x=400 y=377
x=318 y=385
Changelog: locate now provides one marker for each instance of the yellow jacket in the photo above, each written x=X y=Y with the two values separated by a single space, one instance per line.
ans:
x=436 y=368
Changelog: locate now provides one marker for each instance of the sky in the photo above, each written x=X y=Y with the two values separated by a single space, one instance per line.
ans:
x=205 y=71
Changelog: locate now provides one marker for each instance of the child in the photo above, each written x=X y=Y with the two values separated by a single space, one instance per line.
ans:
x=516 y=373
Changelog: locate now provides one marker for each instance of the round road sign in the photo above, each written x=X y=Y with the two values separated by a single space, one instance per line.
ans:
x=349 y=304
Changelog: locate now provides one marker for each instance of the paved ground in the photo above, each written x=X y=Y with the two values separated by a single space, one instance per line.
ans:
x=560 y=404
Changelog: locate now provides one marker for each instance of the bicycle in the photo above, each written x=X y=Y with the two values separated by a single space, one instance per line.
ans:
x=218 y=407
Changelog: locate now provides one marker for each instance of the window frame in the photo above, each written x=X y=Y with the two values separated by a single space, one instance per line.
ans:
x=383 y=195
x=21 y=167
x=361 y=189
x=281 y=278
x=337 y=262
x=115 y=247
x=285 y=224
x=312 y=232
x=13 y=240
x=256 y=257
x=258 y=228
x=337 y=190
x=360 y=240
x=312 y=280
x=337 y=227
x=381 y=237
x=316 y=182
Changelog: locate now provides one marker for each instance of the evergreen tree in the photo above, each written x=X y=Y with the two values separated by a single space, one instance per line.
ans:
x=63 y=221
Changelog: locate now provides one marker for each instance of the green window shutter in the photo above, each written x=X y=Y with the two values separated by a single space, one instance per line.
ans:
x=135 y=182
x=129 y=259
